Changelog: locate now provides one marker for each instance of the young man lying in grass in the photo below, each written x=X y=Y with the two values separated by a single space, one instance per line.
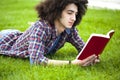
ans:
x=57 y=25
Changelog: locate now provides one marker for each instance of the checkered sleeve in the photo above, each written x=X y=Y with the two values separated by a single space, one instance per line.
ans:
x=75 y=40
x=37 y=46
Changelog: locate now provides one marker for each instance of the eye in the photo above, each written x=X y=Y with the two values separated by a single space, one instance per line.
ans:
x=70 y=13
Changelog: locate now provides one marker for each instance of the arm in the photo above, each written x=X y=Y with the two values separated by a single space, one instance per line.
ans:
x=37 y=46
x=75 y=40
x=86 y=62
x=36 y=50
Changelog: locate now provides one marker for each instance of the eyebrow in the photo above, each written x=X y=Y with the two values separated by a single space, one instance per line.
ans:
x=72 y=11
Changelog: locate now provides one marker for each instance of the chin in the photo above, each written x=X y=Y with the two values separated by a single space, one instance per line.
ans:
x=69 y=27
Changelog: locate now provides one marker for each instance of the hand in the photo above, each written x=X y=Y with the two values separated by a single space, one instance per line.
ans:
x=97 y=60
x=86 y=62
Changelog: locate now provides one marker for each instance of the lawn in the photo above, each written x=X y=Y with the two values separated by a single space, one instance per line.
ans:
x=15 y=14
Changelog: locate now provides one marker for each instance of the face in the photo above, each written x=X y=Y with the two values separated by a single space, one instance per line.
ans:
x=68 y=16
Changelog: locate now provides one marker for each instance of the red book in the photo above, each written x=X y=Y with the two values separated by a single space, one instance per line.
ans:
x=95 y=45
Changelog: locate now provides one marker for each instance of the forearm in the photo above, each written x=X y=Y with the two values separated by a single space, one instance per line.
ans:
x=86 y=62
x=64 y=62
x=58 y=62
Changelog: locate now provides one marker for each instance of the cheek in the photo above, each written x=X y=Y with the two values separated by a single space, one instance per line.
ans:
x=65 y=19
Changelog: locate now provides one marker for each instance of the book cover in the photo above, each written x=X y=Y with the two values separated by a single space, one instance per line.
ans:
x=95 y=45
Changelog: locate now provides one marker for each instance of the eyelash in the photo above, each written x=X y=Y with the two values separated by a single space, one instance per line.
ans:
x=71 y=13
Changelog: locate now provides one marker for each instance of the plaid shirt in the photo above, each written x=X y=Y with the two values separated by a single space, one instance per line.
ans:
x=35 y=42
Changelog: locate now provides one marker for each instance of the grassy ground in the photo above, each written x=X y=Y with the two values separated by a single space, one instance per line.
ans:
x=16 y=14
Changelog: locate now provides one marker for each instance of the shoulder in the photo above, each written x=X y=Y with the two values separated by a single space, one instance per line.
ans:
x=42 y=24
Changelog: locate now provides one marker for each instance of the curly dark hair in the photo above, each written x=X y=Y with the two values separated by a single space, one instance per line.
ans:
x=51 y=10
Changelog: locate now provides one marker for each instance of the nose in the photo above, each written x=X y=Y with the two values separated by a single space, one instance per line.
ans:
x=73 y=17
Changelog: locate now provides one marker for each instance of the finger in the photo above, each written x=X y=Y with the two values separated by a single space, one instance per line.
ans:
x=97 y=60
x=90 y=58
x=87 y=64
x=98 y=56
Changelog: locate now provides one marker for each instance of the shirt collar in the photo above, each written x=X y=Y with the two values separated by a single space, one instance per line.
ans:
x=68 y=31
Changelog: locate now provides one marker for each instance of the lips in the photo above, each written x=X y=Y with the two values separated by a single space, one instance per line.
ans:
x=71 y=23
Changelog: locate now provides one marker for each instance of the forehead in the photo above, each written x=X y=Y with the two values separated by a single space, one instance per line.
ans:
x=72 y=7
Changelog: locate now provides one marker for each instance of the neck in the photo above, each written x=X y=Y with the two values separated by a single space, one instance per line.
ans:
x=60 y=28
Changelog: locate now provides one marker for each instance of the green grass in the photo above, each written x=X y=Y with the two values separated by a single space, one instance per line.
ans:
x=16 y=14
